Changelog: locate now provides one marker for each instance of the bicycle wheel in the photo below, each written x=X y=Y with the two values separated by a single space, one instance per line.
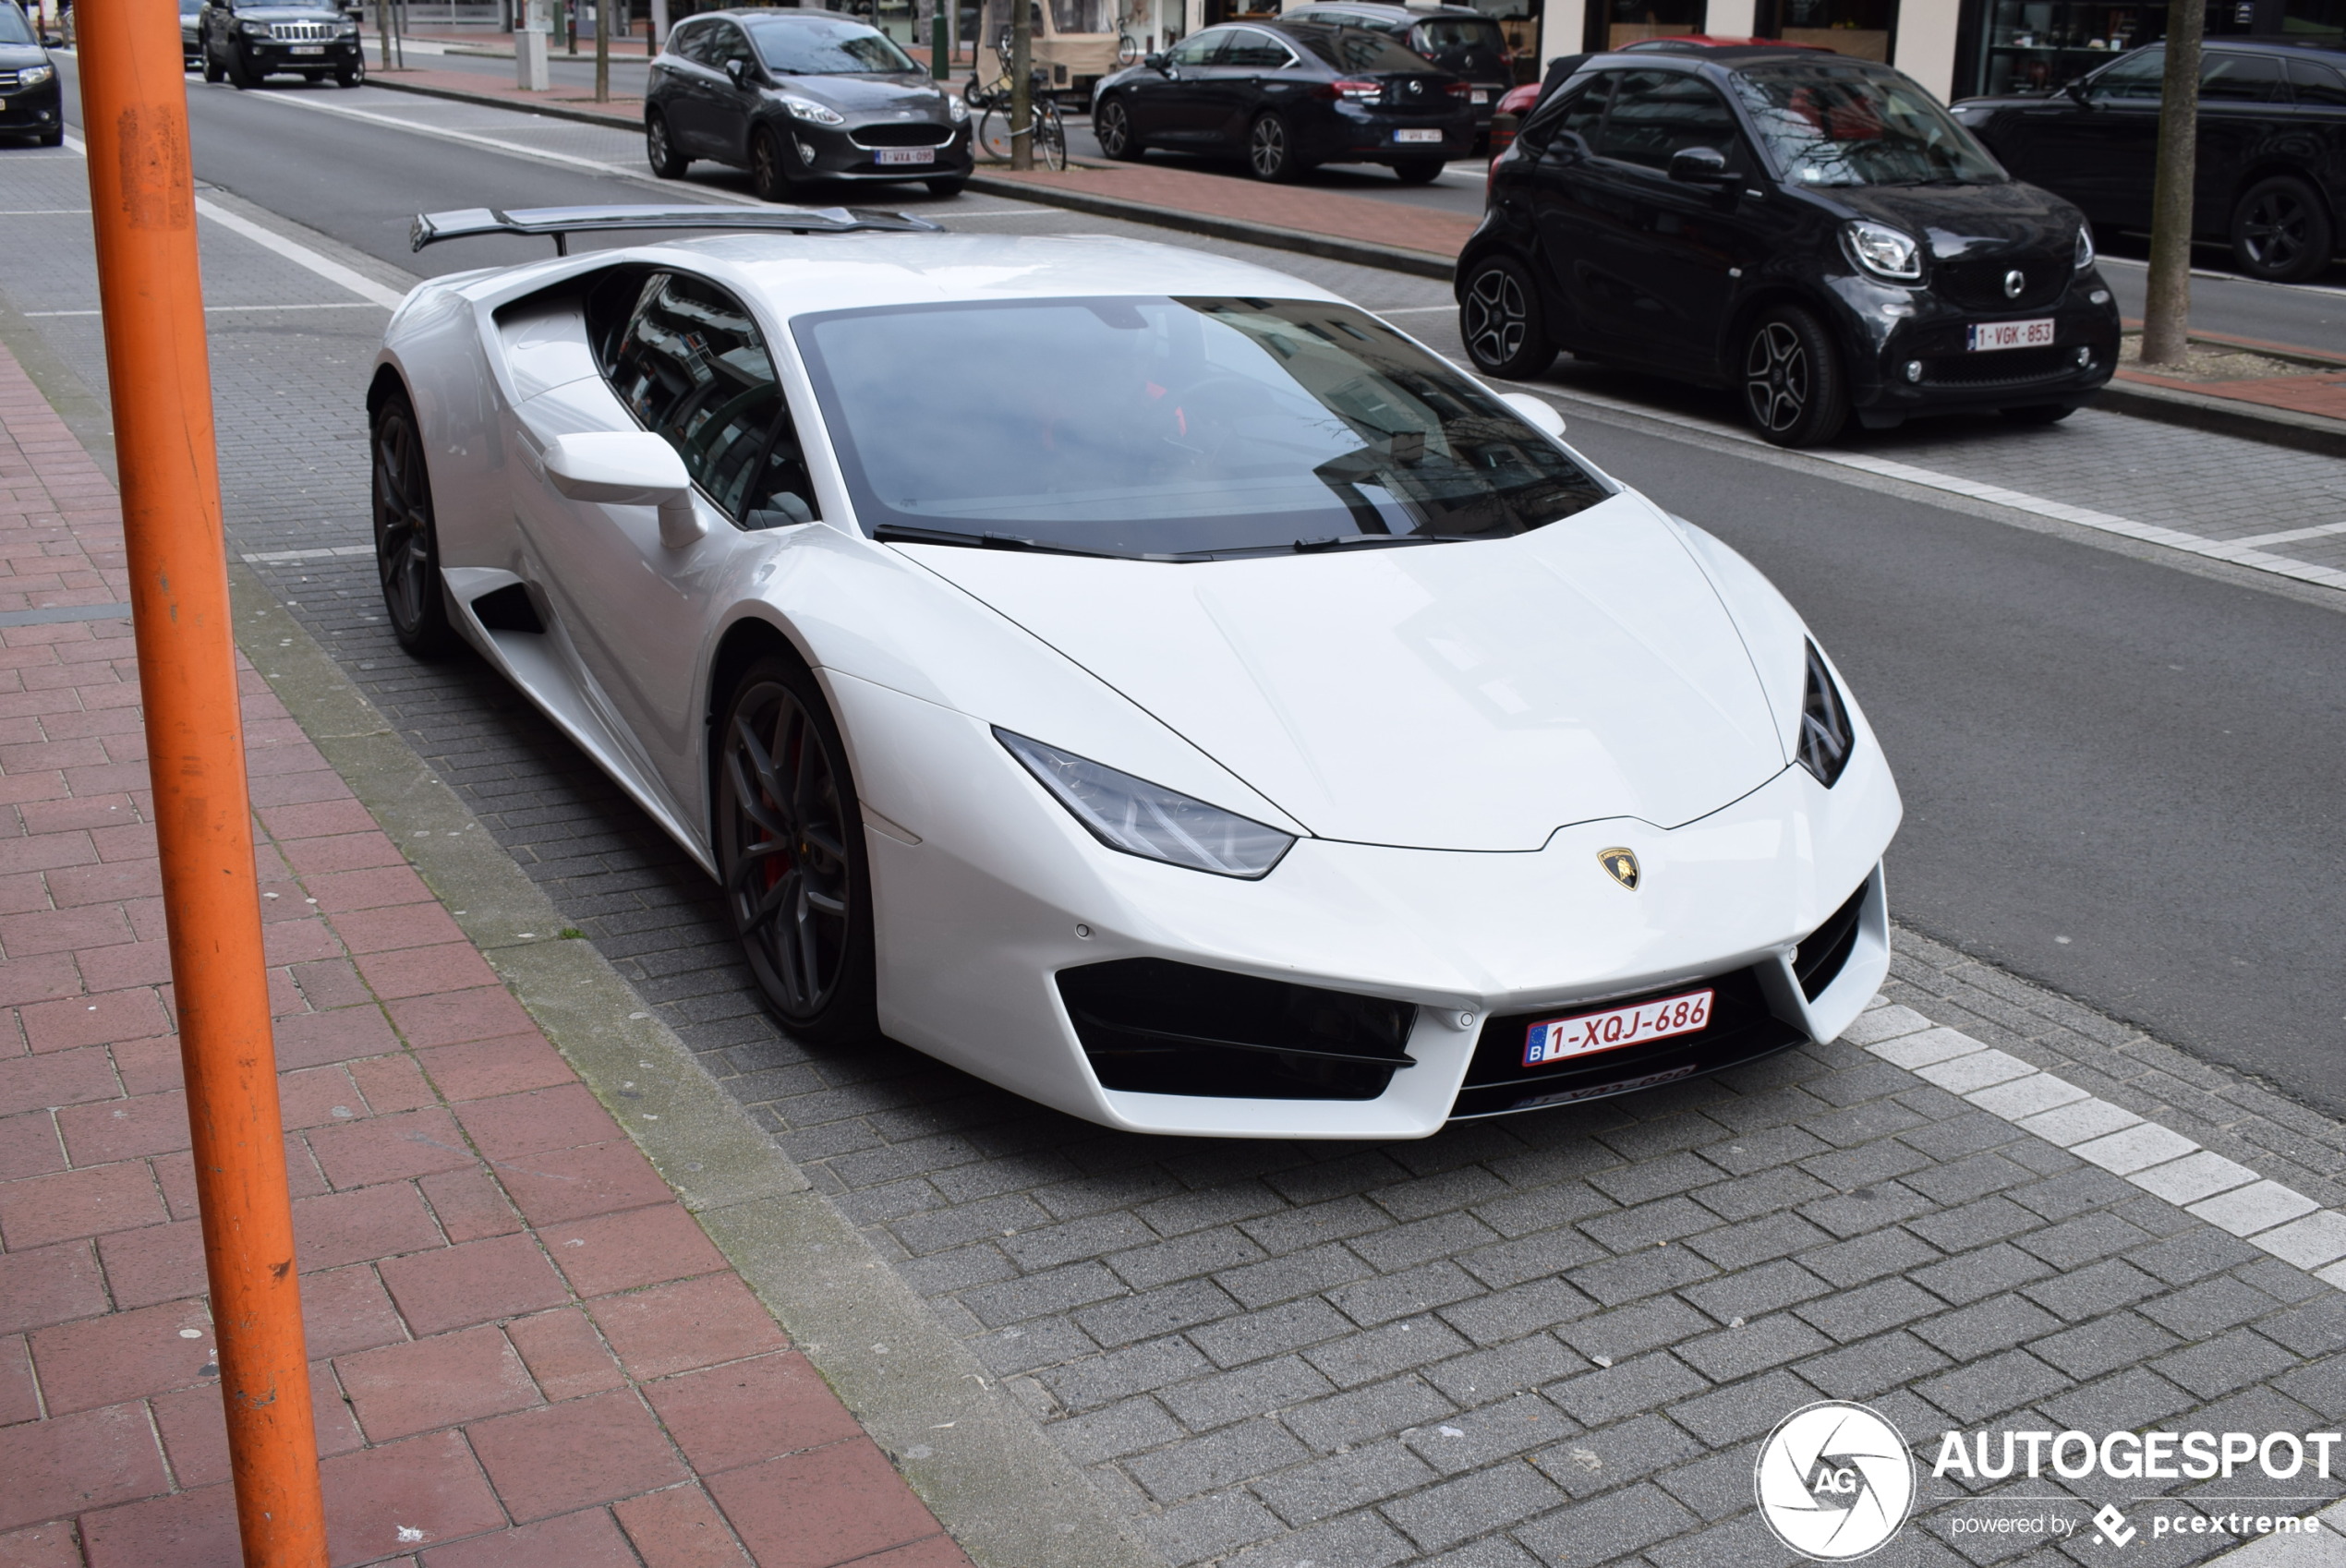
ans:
x=1050 y=137
x=994 y=136
x=1128 y=49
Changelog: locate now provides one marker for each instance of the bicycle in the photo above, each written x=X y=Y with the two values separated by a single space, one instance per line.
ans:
x=992 y=107
x=1128 y=48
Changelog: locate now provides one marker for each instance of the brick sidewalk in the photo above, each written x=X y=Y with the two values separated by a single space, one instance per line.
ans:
x=527 y=1352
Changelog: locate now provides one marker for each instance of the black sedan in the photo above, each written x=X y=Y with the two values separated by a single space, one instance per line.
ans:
x=246 y=40
x=2271 y=172
x=796 y=96
x=1287 y=96
x=1811 y=230
x=1461 y=41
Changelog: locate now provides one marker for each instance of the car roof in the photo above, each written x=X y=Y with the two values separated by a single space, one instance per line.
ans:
x=2274 y=45
x=1389 y=13
x=797 y=275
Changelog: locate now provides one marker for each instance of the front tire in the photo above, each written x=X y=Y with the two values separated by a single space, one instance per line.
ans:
x=1418 y=171
x=1500 y=320
x=352 y=76
x=1270 y=151
x=2282 y=231
x=1112 y=125
x=1792 y=389
x=948 y=186
x=769 y=173
x=407 y=541
x=790 y=854
x=659 y=149
x=241 y=75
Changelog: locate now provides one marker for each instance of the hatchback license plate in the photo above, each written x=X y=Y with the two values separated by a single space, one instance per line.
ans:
x=1588 y=1033
x=908 y=154
x=1430 y=133
x=1988 y=335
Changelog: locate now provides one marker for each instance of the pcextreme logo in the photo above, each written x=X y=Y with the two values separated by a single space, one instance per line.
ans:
x=1835 y=1481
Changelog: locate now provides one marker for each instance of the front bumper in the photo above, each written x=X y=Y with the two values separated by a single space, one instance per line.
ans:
x=27 y=110
x=1895 y=329
x=1355 y=135
x=832 y=152
x=1004 y=891
x=267 y=56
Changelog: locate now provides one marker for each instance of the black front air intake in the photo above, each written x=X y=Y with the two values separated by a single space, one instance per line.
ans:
x=1819 y=959
x=1155 y=1027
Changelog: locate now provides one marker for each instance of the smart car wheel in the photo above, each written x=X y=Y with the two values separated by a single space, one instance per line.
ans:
x=1112 y=127
x=1270 y=152
x=769 y=173
x=2281 y=231
x=1499 y=320
x=790 y=850
x=1792 y=382
x=659 y=151
x=406 y=544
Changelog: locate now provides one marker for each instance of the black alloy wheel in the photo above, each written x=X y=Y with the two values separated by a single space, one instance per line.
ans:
x=241 y=74
x=406 y=544
x=2282 y=231
x=659 y=150
x=1270 y=151
x=1792 y=383
x=1501 y=322
x=769 y=173
x=1418 y=171
x=1112 y=127
x=790 y=854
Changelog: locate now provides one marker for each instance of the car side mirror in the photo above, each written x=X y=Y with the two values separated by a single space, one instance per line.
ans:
x=1157 y=62
x=53 y=41
x=737 y=70
x=1704 y=166
x=628 y=468
x=1537 y=412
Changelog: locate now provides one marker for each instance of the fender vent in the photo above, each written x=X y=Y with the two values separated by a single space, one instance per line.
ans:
x=1155 y=1027
x=1817 y=960
x=507 y=609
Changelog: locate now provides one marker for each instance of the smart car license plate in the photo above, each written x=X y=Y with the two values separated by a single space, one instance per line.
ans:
x=307 y=49
x=908 y=154
x=1587 y=1033
x=1989 y=335
x=1431 y=133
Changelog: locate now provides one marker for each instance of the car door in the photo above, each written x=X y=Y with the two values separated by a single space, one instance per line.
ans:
x=2242 y=127
x=729 y=106
x=692 y=367
x=690 y=62
x=1165 y=105
x=1243 y=79
x=2319 y=89
x=2101 y=154
x=1565 y=212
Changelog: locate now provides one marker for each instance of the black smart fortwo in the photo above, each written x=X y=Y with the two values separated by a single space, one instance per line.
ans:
x=1812 y=230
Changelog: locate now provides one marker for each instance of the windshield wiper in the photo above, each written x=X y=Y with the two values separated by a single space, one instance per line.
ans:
x=893 y=533
x=1349 y=541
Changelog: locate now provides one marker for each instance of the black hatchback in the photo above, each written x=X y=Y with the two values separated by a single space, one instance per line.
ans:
x=2270 y=179
x=1811 y=230
x=798 y=96
x=1287 y=96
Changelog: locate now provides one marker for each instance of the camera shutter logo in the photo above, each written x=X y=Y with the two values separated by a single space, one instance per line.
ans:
x=1835 y=1481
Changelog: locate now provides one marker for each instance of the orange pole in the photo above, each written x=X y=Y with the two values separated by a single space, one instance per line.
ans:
x=134 y=107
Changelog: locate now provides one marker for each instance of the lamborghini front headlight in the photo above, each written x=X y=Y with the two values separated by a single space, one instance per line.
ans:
x=1826 y=735
x=1149 y=820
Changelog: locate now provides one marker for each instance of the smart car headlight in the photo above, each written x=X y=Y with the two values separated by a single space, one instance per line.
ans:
x=1149 y=820
x=1882 y=250
x=813 y=113
x=2084 y=257
x=1826 y=735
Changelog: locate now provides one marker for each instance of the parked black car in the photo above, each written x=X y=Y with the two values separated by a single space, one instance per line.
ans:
x=2272 y=174
x=794 y=96
x=245 y=41
x=30 y=103
x=1289 y=95
x=1461 y=41
x=1810 y=229
x=191 y=34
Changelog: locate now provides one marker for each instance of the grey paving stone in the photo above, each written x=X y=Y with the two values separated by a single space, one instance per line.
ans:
x=1611 y=1393
x=1365 y=1414
x=1666 y=1219
x=1971 y=1275
x=1200 y=1253
x=1745 y=1197
x=1990 y=1387
x=1866 y=1209
x=942 y=1273
x=1476 y=1438
x=1156 y=1312
x=1443 y=1190
x=1307 y=1272
x=2078 y=1241
x=1762 y=1148
x=1271 y=1331
x=1855 y=1314
x=2225 y=1365
x=1530 y=1257
x=1870 y=1257
x=1423 y=1241
x=1359 y=1358
x=1121 y=1428
x=1208 y=1527
x=1609 y=1527
x=1672 y=1174
x=1136 y=1368
x=1198 y=1465
x=1034 y=1295
x=1494 y=1374
x=1490 y=1500
x=1492 y=1552
x=2129 y=1400
x=1507 y=1315
x=1641 y=1274
x=1978 y=1223
x=2122 y=1339
x=1619 y=1334
x=1744 y=1410
x=1358 y=1540
x=1271 y=1387
x=1998 y=1323
x=2208 y=1309
x=1053 y=1244
x=1750 y=1346
x=1316 y=1224
x=1716 y=1487
x=1864 y=1370
x=1753 y=1293
x=1044 y=1343
x=1598 y=1462
x=1380 y=1300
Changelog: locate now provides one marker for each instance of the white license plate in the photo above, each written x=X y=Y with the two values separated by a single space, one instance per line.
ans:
x=1480 y=96
x=1990 y=335
x=307 y=49
x=1587 y=1033
x=1429 y=134
x=908 y=154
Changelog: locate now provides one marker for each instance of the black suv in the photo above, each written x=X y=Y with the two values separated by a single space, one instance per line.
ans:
x=2271 y=177
x=794 y=96
x=1812 y=230
x=246 y=40
x=1462 y=41
x=30 y=101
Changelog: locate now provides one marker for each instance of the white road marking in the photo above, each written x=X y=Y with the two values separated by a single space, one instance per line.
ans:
x=277 y=555
x=2227 y=277
x=47 y=212
x=211 y=310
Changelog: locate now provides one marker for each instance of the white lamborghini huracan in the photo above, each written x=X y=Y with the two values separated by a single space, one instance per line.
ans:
x=1142 y=680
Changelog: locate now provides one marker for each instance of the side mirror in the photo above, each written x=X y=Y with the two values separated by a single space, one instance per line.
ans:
x=1537 y=412
x=737 y=70
x=1156 y=62
x=628 y=468
x=1700 y=165
x=2075 y=87
x=53 y=41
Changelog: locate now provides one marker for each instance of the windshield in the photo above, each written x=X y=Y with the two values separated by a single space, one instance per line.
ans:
x=1832 y=124
x=817 y=47
x=1173 y=427
x=1449 y=35
x=1352 y=48
x=12 y=26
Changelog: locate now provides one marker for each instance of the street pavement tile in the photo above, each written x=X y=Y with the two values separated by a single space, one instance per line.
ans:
x=588 y=1538
x=401 y=1390
x=186 y=1526
x=195 y=1430
x=694 y=1323
x=627 y=1250
x=475 y=1281
x=74 y=1462
x=422 y=1489
x=123 y=1356
x=679 y=1527
x=559 y=1457
x=828 y=1506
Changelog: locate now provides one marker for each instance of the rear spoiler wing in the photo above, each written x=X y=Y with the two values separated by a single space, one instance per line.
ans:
x=560 y=223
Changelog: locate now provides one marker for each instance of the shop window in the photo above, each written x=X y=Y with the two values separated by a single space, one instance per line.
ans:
x=1859 y=28
x=1626 y=21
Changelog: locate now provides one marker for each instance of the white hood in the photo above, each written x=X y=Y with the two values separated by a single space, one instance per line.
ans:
x=1465 y=696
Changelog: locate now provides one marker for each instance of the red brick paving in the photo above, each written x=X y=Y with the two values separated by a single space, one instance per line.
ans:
x=526 y=1351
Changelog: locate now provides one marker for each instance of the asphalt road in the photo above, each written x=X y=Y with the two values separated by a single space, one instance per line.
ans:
x=2122 y=777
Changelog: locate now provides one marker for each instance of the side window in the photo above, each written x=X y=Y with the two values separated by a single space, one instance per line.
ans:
x=1656 y=114
x=1200 y=48
x=727 y=42
x=693 y=368
x=1259 y=51
x=692 y=43
x=2316 y=83
x=2138 y=79
x=2240 y=78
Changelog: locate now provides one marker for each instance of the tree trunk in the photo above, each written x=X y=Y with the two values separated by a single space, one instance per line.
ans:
x=2167 y=313
x=1022 y=84
x=604 y=8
